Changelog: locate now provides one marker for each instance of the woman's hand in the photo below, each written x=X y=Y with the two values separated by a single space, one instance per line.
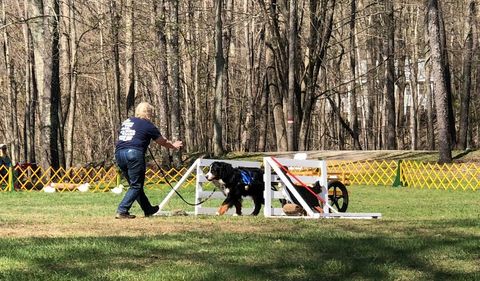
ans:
x=177 y=144
x=169 y=144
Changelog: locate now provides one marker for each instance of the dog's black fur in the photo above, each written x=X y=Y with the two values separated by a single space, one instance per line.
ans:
x=234 y=187
x=309 y=198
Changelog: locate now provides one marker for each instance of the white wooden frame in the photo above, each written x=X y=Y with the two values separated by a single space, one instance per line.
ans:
x=270 y=195
x=200 y=193
x=280 y=177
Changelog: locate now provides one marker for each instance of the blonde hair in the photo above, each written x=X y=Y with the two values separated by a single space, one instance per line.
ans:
x=144 y=110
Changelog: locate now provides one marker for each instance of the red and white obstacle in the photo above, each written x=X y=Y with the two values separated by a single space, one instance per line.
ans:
x=276 y=173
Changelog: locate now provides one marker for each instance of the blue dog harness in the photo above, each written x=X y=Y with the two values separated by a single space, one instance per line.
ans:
x=247 y=177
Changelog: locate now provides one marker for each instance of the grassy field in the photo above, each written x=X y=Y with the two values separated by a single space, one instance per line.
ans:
x=423 y=235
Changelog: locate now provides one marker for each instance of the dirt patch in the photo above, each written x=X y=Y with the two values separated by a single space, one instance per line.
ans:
x=108 y=226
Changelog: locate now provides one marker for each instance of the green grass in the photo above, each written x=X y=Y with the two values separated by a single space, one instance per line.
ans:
x=423 y=235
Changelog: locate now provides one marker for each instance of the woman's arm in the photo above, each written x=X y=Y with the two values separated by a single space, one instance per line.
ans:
x=169 y=144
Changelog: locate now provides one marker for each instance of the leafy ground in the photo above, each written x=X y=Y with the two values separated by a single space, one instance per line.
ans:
x=423 y=235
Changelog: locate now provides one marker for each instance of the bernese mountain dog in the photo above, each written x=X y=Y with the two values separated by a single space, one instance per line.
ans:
x=238 y=183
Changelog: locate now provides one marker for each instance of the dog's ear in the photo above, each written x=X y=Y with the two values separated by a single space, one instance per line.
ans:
x=317 y=188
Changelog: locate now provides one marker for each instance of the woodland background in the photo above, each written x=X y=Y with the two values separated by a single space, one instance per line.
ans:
x=226 y=75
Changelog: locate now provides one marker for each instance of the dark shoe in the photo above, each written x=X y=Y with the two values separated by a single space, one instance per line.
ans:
x=152 y=212
x=124 y=216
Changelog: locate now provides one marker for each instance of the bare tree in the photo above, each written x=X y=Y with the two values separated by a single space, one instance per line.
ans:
x=353 y=90
x=292 y=49
x=129 y=78
x=160 y=74
x=45 y=41
x=31 y=90
x=320 y=16
x=72 y=109
x=390 y=130
x=430 y=108
x=176 y=90
x=247 y=131
x=469 y=51
x=439 y=82
x=115 y=27
x=219 y=68
x=11 y=85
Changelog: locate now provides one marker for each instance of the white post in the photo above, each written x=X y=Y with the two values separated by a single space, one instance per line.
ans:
x=290 y=187
x=267 y=179
x=198 y=189
x=324 y=184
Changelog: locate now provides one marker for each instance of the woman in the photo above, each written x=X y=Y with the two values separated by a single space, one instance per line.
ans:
x=134 y=138
x=5 y=161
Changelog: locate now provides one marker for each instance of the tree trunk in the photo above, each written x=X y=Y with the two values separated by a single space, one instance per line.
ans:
x=248 y=125
x=189 y=70
x=430 y=108
x=371 y=96
x=292 y=46
x=129 y=57
x=106 y=92
x=401 y=86
x=45 y=41
x=277 y=105
x=175 y=96
x=414 y=86
x=57 y=140
x=263 y=119
x=447 y=77
x=160 y=75
x=115 y=26
x=31 y=91
x=320 y=22
x=390 y=127
x=73 y=85
x=219 y=69
x=439 y=82
x=469 y=51
x=12 y=113
x=353 y=91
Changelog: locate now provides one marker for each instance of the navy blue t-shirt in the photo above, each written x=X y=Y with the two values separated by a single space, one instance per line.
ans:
x=136 y=133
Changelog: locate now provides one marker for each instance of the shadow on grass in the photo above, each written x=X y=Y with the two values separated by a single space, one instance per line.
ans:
x=307 y=255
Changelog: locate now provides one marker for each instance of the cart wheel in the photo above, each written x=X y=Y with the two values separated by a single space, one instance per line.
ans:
x=338 y=196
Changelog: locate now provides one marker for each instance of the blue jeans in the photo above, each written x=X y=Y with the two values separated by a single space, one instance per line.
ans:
x=132 y=164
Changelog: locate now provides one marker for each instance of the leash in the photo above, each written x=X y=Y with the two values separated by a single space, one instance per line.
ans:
x=171 y=186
